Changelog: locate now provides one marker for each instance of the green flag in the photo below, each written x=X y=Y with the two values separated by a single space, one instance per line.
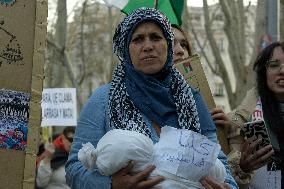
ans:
x=172 y=8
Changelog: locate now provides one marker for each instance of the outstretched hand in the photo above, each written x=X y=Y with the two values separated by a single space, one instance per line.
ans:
x=251 y=159
x=211 y=183
x=123 y=180
x=219 y=117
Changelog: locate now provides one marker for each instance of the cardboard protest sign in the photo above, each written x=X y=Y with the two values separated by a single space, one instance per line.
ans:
x=180 y=150
x=22 y=47
x=59 y=107
x=192 y=71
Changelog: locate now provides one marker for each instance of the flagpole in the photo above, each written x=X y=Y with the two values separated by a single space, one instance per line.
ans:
x=156 y=4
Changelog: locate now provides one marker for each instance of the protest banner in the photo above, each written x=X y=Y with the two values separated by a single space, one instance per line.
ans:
x=192 y=71
x=59 y=107
x=180 y=150
x=22 y=51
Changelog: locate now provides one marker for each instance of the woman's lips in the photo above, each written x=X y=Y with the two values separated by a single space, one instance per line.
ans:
x=280 y=82
x=148 y=58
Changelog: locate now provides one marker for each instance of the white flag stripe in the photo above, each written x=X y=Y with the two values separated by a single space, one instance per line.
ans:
x=117 y=3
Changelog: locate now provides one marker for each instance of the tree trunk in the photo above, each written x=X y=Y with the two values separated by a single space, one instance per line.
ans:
x=240 y=46
x=260 y=29
x=60 y=41
x=282 y=20
x=112 y=59
x=218 y=59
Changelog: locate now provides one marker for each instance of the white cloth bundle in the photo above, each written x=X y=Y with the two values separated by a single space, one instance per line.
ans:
x=117 y=147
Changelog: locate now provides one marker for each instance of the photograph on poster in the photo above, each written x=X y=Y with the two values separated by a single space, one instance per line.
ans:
x=7 y=2
x=14 y=114
x=189 y=74
x=10 y=50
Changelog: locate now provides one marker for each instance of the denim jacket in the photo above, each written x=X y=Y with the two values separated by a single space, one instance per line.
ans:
x=94 y=123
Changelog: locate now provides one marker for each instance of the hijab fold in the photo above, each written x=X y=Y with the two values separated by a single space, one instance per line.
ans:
x=164 y=97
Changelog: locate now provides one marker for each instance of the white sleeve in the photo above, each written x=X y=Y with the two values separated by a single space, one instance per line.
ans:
x=44 y=173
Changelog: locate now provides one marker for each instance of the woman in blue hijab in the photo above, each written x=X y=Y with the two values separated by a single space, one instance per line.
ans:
x=146 y=93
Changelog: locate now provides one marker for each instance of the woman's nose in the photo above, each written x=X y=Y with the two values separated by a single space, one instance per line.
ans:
x=148 y=45
x=178 y=50
x=281 y=68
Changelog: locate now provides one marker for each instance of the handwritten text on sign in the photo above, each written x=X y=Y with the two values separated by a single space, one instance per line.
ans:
x=185 y=153
x=59 y=107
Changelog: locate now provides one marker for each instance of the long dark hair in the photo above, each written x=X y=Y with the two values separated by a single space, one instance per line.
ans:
x=269 y=102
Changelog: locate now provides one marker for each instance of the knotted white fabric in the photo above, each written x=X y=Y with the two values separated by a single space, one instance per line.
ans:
x=116 y=149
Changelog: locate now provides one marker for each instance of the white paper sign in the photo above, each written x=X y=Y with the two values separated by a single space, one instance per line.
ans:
x=185 y=153
x=59 y=107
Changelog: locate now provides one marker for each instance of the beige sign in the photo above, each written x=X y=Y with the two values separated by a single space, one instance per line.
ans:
x=192 y=71
x=22 y=49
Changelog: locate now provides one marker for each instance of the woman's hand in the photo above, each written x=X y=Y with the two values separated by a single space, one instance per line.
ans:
x=123 y=180
x=252 y=160
x=211 y=183
x=48 y=153
x=219 y=117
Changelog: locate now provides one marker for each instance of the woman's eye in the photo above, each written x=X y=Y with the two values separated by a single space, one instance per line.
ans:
x=274 y=63
x=183 y=45
x=156 y=38
x=137 y=39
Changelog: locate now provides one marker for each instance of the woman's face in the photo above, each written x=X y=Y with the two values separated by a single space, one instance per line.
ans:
x=275 y=73
x=67 y=141
x=148 y=48
x=180 y=43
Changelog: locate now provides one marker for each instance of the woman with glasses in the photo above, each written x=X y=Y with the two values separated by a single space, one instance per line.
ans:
x=254 y=165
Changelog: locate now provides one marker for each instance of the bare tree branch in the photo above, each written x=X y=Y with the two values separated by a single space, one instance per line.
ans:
x=202 y=48
x=83 y=68
x=214 y=47
x=232 y=32
x=72 y=78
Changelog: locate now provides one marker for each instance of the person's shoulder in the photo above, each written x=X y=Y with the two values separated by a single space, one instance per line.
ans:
x=102 y=89
x=249 y=102
x=250 y=99
x=100 y=93
x=194 y=91
x=99 y=98
x=242 y=113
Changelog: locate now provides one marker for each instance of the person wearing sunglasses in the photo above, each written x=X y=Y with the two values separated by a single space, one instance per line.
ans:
x=254 y=165
x=51 y=170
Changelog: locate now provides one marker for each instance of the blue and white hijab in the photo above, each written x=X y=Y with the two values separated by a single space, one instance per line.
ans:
x=167 y=102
